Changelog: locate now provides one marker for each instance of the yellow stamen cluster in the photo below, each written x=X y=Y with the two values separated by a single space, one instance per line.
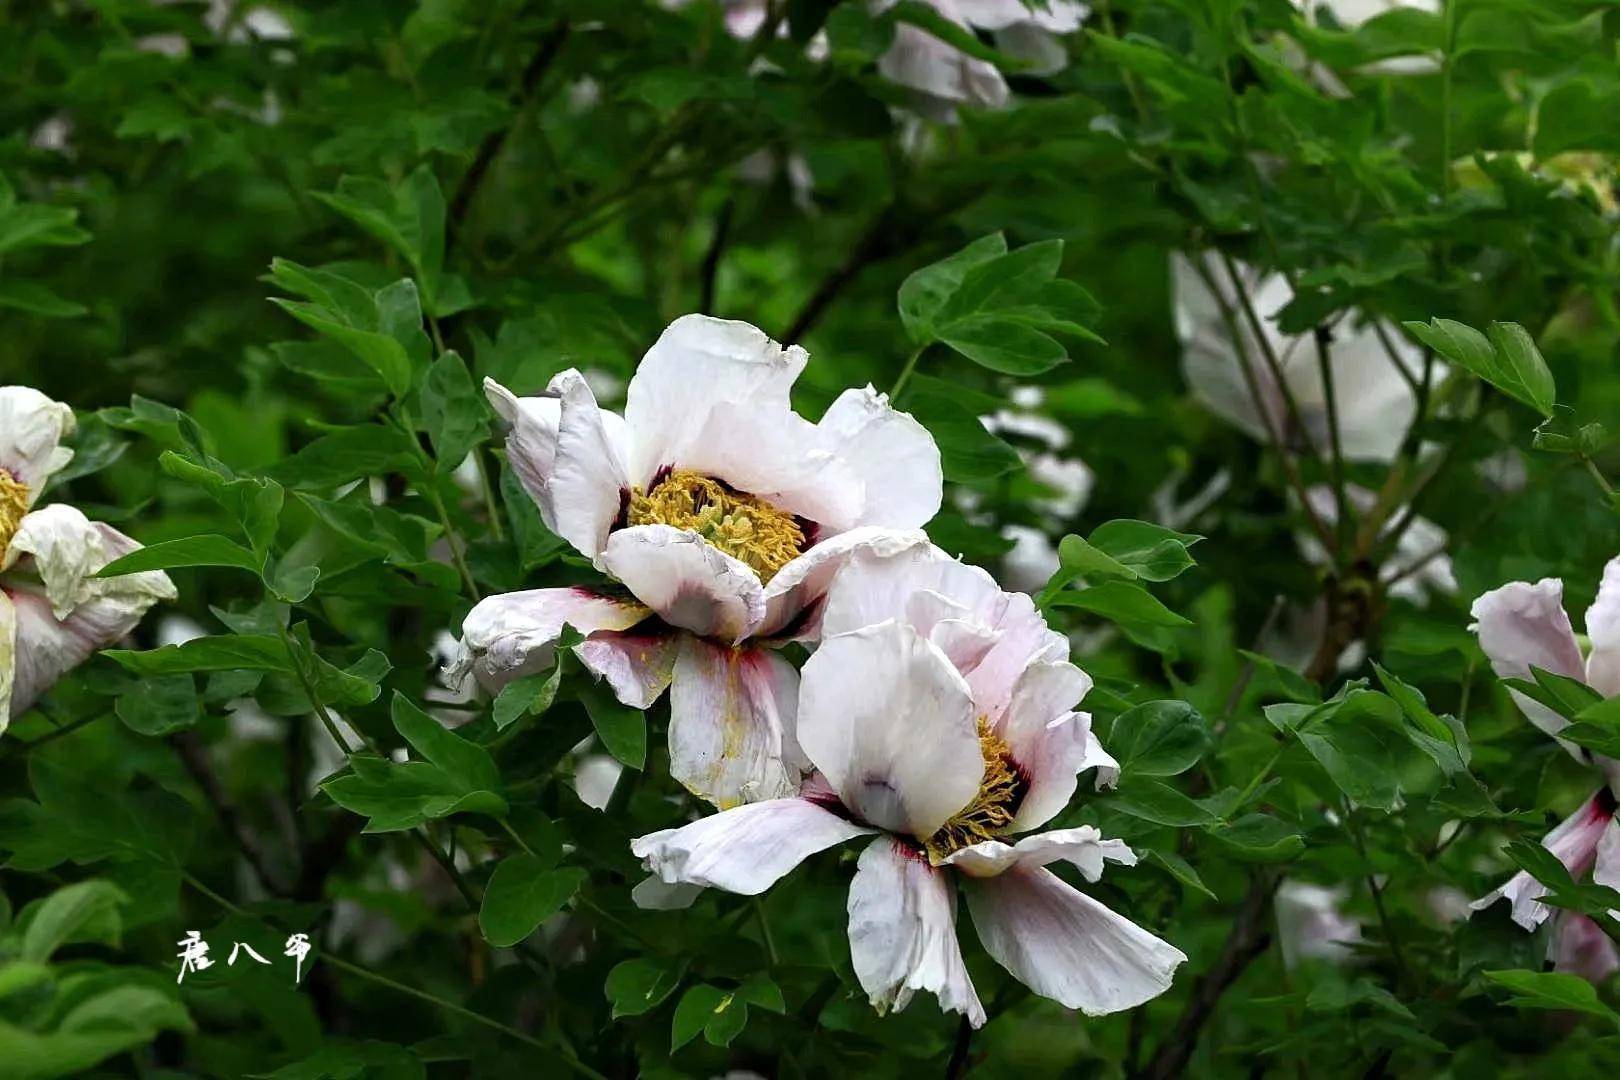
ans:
x=991 y=810
x=743 y=526
x=13 y=506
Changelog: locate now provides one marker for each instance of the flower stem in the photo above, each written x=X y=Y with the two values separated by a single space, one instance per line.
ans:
x=905 y=373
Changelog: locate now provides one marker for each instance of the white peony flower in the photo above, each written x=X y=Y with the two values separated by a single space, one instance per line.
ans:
x=723 y=513
x=1375 y=402
x=1521 y=626
x=942 y=77
x=54 y=611
x=939 y=714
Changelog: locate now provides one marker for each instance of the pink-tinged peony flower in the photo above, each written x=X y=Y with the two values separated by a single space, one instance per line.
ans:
x=722 y=513
x=1312 y=925
x=1521 y=626
x=943 y=77
x=54 y=611
x=939 y=714
x=1374 y=396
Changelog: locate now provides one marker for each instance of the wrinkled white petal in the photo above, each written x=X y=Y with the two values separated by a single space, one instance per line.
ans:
x=902 y=932
x=1603 y=628
x=793 y=595
x=1521 y=626
x=588 y=482
x=939 y=72
x=37 y=648
x=638 y=666
x=1064 y=945
x=65 y=550
x=778 y=456
x=731 y=723
x=1049 y=741
x=1575 y=843
x=744 y=850
x=1083 y=846
x=889 y=721
x=511 y=635
x=531 y=441
x=686 y=580
x=894 y=456
x=697 y=363
x=595 y=777
x=32 y=427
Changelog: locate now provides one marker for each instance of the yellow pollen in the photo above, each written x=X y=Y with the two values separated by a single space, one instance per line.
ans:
x=991 y=810
x=13 y=506
x=743 y=526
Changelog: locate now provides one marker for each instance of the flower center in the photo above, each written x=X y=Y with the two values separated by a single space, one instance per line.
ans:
x=13 y=506
x=991 y=810
x=743 y=526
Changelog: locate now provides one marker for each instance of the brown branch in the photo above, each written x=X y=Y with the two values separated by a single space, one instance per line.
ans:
x=194 y=755
x=884 y=237
x=711 y=258
x=1249 y=938
x=490 y=148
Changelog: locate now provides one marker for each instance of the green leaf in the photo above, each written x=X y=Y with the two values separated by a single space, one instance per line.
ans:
x=1121 y=602
x=206 y=550
x=1508 y=359
x=1260 y=838
x=1180 y=869
x=1159 y=738
x=924 y=293
x=1159 y=803
x=465 y=763
x=84 y=911
x=159 y=705
x=225 y=652
x=521 y=894
x=1152 y=552
x=720 y=1015
x=344 y=455
x=641 y=984
x=623 y=730
x=1357 y=738
x=1552 y=990
x=453 y=410
x=36 y=299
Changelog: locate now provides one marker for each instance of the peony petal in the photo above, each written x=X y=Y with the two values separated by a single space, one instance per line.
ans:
x=697 y=363
x=888 y=720
x=531 y=443
x=1057 y=16
x=1582 y=949
x=1212 y=365
x=744 y=850
x=588 y=483
x=894 y=456
x=37 y=648
x=731 y=723
x=1603 y=627
x=940 y=72
x=66 y=550
x=511 y=635
x=778 y=456
x=792 y=595
x=1064 y=945
x=1041 y=51
x=1575 y=842
x=32 y=427
x=1375 y=401
x=1048 y=740
x=687 y=581
x=902 y=932
x=1083 y=846
x=1522 y=626
x=638 y=666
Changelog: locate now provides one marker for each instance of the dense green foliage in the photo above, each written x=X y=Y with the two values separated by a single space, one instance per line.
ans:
x=269 y=253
